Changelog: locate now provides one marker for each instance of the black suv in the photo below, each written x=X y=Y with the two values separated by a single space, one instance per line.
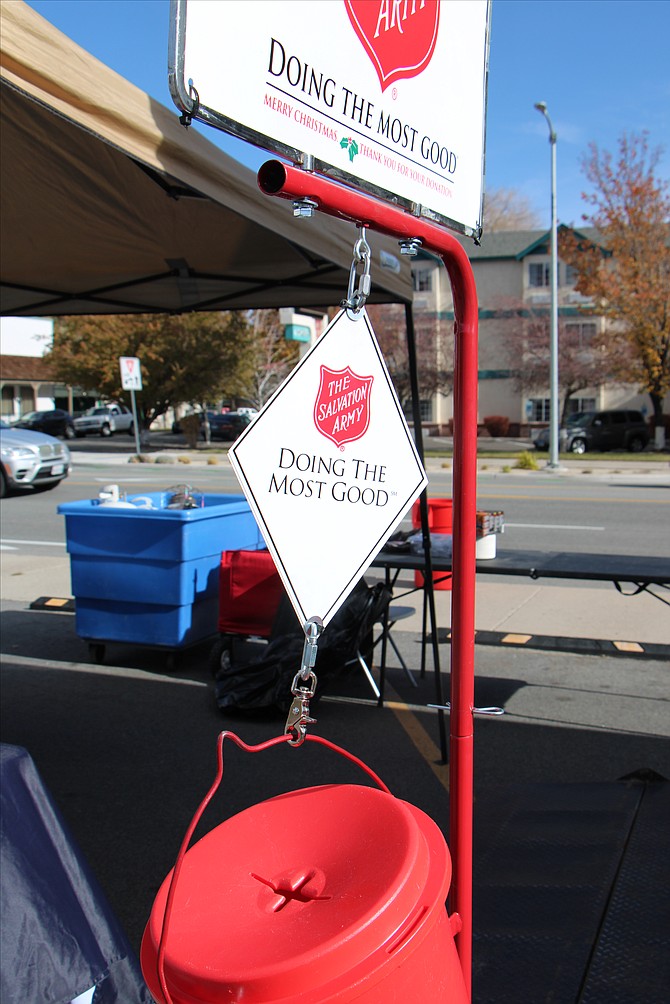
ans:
x=228 y=426
x=55 y=422
x=605 y=430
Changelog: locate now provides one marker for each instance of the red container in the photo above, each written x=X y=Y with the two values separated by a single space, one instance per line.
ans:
x=327 y=894
x=249 y=593
x=440 y=520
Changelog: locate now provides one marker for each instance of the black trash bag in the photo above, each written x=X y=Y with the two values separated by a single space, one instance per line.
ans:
x=263 y=684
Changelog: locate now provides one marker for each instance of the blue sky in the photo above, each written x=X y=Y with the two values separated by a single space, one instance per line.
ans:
x=601 y=65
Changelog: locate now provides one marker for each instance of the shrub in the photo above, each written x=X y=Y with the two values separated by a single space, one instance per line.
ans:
x=527 y=461
x=496 y=425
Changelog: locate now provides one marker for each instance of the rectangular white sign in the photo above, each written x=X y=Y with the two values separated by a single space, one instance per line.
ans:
x=389 y=95
x=131 y=373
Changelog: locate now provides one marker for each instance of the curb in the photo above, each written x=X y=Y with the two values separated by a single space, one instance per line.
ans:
x=574 y=646
x=507 y=639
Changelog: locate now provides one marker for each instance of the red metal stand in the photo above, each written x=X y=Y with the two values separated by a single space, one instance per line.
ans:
x=288 y=182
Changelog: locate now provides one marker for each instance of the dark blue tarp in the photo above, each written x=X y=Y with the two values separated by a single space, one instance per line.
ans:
x=59 y=936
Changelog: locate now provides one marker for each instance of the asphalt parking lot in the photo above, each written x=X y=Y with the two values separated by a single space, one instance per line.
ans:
x=128 y=749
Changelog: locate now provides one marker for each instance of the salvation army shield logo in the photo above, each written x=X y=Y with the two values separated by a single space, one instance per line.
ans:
x=342 y=406
x=399 y=38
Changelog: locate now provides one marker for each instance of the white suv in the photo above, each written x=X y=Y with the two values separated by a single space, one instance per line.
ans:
x=31 y=460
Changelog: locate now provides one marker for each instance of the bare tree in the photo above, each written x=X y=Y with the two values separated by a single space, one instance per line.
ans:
x=524 y=333
x=508 y=209
x=434 y=350
x=269 y=361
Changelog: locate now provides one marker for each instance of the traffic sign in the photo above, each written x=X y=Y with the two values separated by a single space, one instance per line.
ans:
x=329 y=467
x=131 y=374
x=389 y=96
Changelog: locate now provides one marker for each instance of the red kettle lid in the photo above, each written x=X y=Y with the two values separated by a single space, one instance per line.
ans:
x=302 y=894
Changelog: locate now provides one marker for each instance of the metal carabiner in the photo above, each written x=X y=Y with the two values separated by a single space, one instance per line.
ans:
x=298 y=716
x=357 y=295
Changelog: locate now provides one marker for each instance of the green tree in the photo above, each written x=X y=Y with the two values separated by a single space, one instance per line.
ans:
x=187 y=357
x=627 y=274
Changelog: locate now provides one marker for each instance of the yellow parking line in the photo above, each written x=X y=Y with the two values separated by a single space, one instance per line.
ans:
x=419 y=737
x=628 y=646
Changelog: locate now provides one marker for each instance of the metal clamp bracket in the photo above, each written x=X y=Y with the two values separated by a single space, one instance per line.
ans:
x=475 y=711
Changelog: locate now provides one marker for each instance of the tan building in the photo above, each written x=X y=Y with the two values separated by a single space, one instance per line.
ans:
x=512 y=273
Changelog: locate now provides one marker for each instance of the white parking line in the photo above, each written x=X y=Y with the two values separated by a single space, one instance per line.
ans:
x=7 y=543
x=551 y=526
x=28 y=662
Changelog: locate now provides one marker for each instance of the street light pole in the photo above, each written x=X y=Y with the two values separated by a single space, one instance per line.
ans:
x=553 y=338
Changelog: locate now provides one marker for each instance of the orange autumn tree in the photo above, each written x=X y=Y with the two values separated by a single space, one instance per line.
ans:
x=627 y=274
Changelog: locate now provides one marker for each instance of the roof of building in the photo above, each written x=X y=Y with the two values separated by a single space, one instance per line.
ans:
x=515 y=244
x=25 y=368
x=519 y=243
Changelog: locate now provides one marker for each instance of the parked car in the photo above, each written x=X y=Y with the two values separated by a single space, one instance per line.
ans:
x=105 y=420
x=602 y=430
x=31 y=460
x=228 y=426
x=54 y=422
x=541 y=439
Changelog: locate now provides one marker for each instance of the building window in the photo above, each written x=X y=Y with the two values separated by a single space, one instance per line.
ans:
x=7 y=401
x=571 y=275
x=425 y=410
x=422 y=281
x=538 y=275
x=583 y=332
x=576 y=404
x=539 y=409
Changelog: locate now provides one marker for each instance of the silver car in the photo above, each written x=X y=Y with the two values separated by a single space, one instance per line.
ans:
x=31 y=460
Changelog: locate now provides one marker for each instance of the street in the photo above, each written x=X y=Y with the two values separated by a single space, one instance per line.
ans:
x=624 y=512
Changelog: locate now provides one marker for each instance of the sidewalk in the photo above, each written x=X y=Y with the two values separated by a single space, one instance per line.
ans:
x=162 y=449
x=507 y=606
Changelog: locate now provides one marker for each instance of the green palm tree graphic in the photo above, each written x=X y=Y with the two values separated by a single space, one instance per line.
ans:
x=350 y=145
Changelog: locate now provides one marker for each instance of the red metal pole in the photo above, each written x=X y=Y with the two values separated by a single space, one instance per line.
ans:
x=287 y=182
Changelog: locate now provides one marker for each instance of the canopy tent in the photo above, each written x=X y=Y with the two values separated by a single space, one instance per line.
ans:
x=109 y=205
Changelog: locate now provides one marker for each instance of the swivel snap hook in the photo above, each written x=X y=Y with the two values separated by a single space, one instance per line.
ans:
x=358 y=294
x=303 y=687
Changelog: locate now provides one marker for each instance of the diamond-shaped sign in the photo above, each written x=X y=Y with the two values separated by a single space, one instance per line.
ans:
x=329 y=467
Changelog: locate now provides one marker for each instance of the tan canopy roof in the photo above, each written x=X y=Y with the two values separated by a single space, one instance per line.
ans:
x=108 y=205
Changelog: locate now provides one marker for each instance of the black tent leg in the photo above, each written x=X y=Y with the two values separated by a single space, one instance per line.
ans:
x=428 y=576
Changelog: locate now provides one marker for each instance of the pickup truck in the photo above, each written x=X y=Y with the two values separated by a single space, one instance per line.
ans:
x=104 y=421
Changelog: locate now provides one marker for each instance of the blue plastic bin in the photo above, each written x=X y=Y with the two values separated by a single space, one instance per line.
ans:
x=151 y=576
